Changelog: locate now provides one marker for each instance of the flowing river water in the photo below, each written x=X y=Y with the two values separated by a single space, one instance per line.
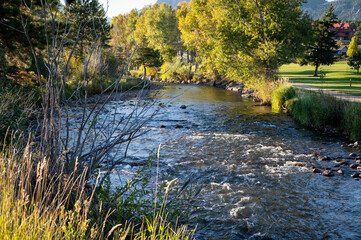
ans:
x=254 y=167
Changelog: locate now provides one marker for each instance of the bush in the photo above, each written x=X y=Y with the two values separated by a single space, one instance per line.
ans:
x=282 y=94
x=317 y=110
x=351 y=122
x=17 y=108
x=264 y=88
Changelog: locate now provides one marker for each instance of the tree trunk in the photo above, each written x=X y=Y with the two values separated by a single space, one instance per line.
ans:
x=316 y=69
x=145 y=72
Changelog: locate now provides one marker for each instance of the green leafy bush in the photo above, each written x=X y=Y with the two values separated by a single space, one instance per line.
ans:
x=317 y=110
x=282 y=94
x=351 y=122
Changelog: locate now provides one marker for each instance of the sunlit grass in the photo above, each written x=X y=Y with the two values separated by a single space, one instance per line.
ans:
x=35 y=204
x=337 y=77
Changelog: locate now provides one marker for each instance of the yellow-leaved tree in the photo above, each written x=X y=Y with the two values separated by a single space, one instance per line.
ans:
x=352 y=48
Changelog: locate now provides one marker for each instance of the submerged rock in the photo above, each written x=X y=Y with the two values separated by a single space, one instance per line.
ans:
x=327 y=173
x=316 y=170
x=325 y=158
x=355 y=175
x=342 y=163
x=183 y=107
x=354 y=166
x=340 y=172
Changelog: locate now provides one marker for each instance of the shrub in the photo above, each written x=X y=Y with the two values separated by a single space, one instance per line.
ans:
x=265 y=87
x=351 y=122
x=318 y=110
x=17 y=108
x=282 y=94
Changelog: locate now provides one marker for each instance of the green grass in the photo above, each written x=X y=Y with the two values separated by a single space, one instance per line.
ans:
x=337 y=77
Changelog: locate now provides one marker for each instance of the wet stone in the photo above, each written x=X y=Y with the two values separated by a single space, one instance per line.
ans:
x=325 y=158
x=342 y=163
x=183 y=107
x=178 y=126
x=355 y=175
x=299 y=165
x=340 y=172
x=327 y=173
x=162 y=126
x=359 y=168
x=316 y=170
x=353 y=166
x=358 y=161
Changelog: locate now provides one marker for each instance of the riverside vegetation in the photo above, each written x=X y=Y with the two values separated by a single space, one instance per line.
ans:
x=316 y=110
x=49 y=174
x=50 y=183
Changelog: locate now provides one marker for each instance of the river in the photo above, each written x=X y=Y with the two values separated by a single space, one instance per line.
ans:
x=254 y=167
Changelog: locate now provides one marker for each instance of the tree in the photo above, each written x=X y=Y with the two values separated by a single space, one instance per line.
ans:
x=199 y=30
x=355 y=61
x=245 y=38
x=158 y=29
x=148 y=57
x=358 y=32
x=352 y=48
x=12 y=37
x=354 y=54
x=88 y=19
x=322 y=51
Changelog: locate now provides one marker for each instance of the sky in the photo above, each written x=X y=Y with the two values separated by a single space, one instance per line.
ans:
x=116 y=7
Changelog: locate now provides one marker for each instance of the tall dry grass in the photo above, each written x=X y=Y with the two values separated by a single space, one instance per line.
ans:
x=37 y=205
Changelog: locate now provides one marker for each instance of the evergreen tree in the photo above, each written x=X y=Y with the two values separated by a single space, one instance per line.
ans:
x=148 y=57
x=12 y=36
x=88 y=19
x=324 y=46
x=358 y=33
x=355 y=61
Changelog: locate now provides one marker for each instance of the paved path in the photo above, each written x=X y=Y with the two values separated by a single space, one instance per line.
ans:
x=343 y=96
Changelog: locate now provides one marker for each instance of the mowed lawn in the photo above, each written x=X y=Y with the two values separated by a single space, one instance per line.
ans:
x=337 y=77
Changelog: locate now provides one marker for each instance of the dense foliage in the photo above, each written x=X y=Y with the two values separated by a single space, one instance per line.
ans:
x=345 y=9
x=322 y=50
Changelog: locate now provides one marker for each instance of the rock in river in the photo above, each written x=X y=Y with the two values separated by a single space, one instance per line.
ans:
x=355 y=175
x=316 y=170
x=327 y=173
x=354 y=166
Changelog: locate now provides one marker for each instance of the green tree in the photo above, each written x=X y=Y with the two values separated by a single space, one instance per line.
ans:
x=161 y=30
x=12 y=36
x=355 y=61
x=199 y=32
x=244 y=38
x=354 y=54
x=322 y=51
x=352 y=48
x=148 y=57
x=88 y=22
x=358 y=32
